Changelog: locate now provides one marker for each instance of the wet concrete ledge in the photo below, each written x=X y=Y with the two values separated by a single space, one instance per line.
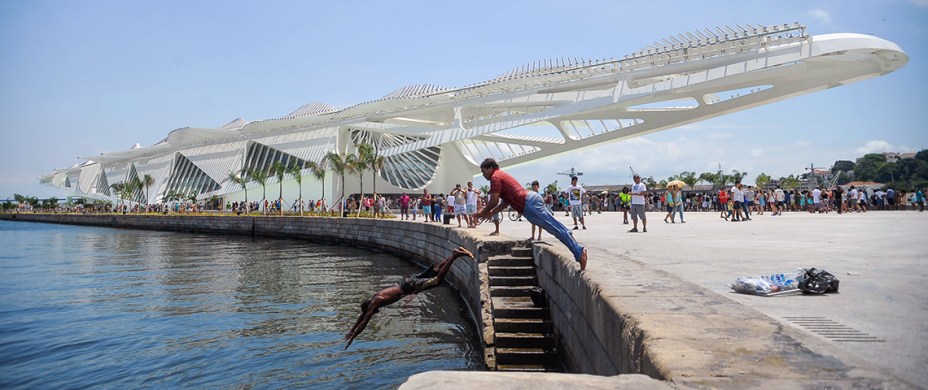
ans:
x=644 y=322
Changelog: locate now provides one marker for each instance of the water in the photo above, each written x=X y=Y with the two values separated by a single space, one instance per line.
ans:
x=85 y=307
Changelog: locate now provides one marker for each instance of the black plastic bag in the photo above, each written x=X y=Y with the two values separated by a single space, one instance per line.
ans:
x=818 y=281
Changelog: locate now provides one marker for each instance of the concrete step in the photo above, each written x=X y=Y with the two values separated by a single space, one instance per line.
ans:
x=521 y=251
x=510 y=271
x=527 y=281
x=524 y=325
x=527 y=367
x=506 y=260
x=530 y=367
x=524 y=340
x=520 y=312
x=524 y=301
x=534 y=356
x=510 y=291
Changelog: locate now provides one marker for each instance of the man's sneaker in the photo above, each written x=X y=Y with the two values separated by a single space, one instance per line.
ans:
x=575 y=227
x=584 y=227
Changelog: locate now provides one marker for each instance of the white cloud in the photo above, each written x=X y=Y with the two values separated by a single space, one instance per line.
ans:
x=875 y=146
x=821 y=16
x=720 y=135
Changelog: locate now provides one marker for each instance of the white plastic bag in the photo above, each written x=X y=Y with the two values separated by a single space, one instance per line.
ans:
x=769 y=283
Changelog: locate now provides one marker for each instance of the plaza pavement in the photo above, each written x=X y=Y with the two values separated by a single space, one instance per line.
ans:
x=879 y=258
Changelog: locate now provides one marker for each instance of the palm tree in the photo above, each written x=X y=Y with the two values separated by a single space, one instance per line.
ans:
x=359 y=164
x=737 y=176
x=136 y=185
x=260 y=176
x=280 y=170
x=710 y=177
x=376 y=165
x=762 y=180
x=689 y=178
x=551 y=188
x=119 y=188
x=295 y=170
x=790 y=182
x=242 y=180
x=368 y=154
x=339 y=165
x=147 y=181
x=318 y=171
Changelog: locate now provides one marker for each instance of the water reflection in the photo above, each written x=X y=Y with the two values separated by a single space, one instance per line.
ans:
x=82 y=307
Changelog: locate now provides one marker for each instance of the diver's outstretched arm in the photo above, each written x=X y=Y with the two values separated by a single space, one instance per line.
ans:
x=445 y=265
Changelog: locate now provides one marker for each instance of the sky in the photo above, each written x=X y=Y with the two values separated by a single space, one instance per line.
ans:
x=80 y=78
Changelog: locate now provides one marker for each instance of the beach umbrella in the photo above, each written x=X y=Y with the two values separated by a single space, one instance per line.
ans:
x=676 y=183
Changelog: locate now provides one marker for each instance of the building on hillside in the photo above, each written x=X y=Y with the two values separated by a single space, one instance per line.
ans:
x=892 y=157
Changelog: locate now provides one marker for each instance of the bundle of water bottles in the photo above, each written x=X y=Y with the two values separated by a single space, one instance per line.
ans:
x=806 y=280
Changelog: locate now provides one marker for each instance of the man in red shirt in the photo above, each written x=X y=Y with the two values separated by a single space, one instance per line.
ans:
x=723 y=203
x=505 y=190
x=404 y=206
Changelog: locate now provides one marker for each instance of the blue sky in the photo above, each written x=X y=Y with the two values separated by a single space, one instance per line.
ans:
x=78 y=78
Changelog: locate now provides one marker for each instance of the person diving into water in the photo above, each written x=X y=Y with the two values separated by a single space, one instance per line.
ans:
x=431 y=277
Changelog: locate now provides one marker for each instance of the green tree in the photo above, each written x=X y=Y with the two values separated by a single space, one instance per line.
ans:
x=119 y=188
x=362 y=161
x=842 y=165
x=50 y=203
x=762 y=180
x=260 y=176
x=551 y=188
x=650 y=182
x=339 y=165
x=296 y=170
x=689 y=178
x=790 y=182
x=318 y=172
x=280 y=170
x=147 y=181
x=33 y=201
x=241 y=178
x=711 y=178
x=376 y=164
x=357 y=166
x=737 y=176
x=922 y=155
x=135 y=185
x=867 y=166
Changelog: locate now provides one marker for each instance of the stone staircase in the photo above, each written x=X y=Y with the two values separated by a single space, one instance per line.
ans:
x=524 y=338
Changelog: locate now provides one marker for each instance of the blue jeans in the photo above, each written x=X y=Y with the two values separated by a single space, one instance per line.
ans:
x=536 y=213
x=678 y=208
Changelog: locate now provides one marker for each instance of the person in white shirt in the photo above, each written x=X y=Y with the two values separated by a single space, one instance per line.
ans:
x=780 y=200
x=575 y=197
x=639 y=191
x=471 y=204
x=737 y=196
x=817 y=199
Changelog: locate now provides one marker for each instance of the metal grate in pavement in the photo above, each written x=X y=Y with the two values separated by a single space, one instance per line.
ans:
x=833 y=330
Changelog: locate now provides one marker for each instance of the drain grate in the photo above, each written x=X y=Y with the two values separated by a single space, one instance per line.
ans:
x=832 y=330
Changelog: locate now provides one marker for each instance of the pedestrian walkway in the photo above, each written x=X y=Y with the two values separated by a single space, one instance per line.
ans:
x=878 y=256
